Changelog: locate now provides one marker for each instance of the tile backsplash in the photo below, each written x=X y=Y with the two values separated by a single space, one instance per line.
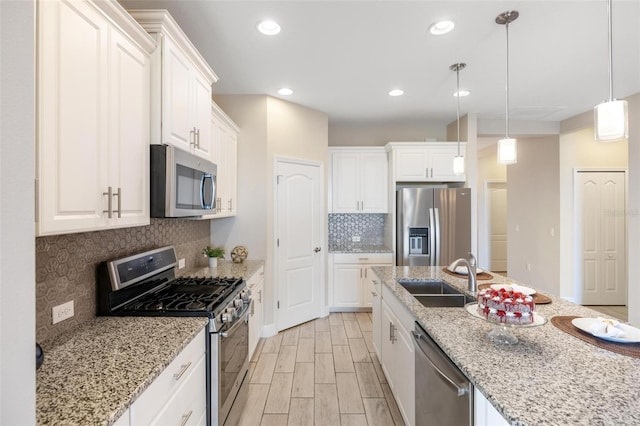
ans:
x=342 y=227
x=66 y=264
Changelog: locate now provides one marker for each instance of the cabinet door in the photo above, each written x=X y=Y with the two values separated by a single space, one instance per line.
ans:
x=231 y=163
x=373 y=183
x=368 y=286
x=255 y=318
x=387 y=362
x=201 y=115
x=72 y=124
x=347 y=290
x=441 y=164
x=178 y=124
x=411 y=165
x=129 y=126
x=345 y=195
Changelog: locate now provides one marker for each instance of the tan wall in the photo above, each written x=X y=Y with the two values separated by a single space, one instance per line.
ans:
x=379 y=135
x=578 y=149
x=269 y=128
x=534 y=214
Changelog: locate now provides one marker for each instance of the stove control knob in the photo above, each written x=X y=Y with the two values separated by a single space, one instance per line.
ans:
x=238 y=303
x=225 y=317
x=245 y=295
x=232 y=313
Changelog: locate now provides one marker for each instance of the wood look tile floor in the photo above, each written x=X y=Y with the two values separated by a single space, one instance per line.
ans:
x=323 y=372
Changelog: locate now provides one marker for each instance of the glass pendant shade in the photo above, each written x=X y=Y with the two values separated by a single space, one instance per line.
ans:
x=611 y=121
x=507 y=151
x=458 y=165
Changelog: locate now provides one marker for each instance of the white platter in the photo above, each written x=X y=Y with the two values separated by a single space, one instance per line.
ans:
x=472 y=308
x=585 y=324
x=520 y=288
x=462 y=270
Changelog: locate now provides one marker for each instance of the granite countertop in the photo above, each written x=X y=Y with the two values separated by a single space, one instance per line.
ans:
x=93 y=373
x=359 y=248
x=549 y=377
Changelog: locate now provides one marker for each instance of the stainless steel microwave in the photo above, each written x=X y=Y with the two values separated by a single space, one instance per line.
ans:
x=182 y=184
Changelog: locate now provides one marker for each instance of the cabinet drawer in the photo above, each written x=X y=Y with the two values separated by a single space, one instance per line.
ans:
x=363 y=258
x=155 y=397
x=256 y=277
x=189 y=402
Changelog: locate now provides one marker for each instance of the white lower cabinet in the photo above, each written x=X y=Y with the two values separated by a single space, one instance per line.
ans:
x=178 y=395
x=376 y=313
x=485 y=414
x=256 y=321
x=351 y=278
x=398 y=356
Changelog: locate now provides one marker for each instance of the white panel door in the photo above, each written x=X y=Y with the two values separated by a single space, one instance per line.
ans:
x=373 y=183
x=299 y=236
x=72 y=127
x=601 y=234
x=129 y=127
x=497 y=216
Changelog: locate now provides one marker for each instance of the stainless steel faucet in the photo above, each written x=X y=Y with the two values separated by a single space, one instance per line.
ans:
x=471 y=265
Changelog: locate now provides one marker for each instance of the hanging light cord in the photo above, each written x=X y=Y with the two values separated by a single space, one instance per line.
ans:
x=507 y=85
x=610 y=51
x=458 y=101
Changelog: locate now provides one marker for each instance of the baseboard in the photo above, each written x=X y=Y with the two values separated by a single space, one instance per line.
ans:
x=325 y=311
x=350 y=309
x=269 y=330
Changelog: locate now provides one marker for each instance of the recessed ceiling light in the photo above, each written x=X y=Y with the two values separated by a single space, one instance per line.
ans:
x=268 y=27
x=441 y=27
x=396 y=92
x=462 y=93
x=285 y=91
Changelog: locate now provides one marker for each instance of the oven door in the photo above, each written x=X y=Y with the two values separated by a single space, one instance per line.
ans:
x=233 y=362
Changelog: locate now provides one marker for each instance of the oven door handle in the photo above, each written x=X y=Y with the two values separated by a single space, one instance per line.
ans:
x=242 y=318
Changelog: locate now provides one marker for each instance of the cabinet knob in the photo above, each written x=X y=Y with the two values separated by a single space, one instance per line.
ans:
x=317 y=249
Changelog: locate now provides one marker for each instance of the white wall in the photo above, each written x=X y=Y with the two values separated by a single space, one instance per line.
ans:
x=578 y=149
x=533 y=202
x=17 y=215
x=269 y=128
x=380 y=134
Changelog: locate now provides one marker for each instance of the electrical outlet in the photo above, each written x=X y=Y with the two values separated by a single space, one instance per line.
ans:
x=62 y=312
x=529 y=267
x=181 y=263
x=355 y=239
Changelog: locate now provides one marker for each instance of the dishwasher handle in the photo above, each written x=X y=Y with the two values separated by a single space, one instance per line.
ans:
x=460 y=388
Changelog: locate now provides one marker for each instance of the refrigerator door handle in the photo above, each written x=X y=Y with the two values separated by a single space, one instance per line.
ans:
x=432 y=239
x=437 y=236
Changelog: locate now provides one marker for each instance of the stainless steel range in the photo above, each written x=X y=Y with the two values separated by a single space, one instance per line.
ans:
x=145 y=285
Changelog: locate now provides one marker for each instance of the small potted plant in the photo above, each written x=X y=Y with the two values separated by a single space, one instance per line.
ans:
x=213 y=253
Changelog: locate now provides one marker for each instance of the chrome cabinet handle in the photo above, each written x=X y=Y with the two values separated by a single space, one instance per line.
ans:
x=192 y=140
x=198 y=138
x=361 y=273
x=185 y=418
x=229 y=204
x=374 y=294
x=365 y=272
x=392 y=333
x=119 y=195
x=260 y=296
x=183 y=369
x=109 y=210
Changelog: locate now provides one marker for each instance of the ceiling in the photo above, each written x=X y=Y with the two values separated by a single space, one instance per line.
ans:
x=343 y=57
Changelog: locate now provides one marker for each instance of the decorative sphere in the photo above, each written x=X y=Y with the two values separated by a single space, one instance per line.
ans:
x=239 y=254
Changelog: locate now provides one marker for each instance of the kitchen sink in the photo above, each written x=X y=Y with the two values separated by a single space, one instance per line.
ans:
x=435 y=293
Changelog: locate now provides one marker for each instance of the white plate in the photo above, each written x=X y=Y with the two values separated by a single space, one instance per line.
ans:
x=632 y=333
x=472 y=308
x=462 y=270
x=522 y=289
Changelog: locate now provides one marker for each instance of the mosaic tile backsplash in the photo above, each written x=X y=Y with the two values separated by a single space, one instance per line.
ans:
x=66 y=264
x=369 y=227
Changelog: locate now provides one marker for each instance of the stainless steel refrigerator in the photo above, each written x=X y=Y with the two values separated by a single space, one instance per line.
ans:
x=433 y=226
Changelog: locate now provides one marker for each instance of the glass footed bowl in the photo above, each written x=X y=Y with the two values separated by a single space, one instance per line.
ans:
x=502 y=333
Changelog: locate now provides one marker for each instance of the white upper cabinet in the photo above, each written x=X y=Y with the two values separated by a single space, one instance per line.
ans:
x=93 y=118
x=424 y=161
x=224 y=148
x=180 y=87
x=359 y=180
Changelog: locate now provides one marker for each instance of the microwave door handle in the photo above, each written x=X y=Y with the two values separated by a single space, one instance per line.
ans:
x=204 y=177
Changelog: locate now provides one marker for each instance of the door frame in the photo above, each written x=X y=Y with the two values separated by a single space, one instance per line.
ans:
x=324 y=307
x=576 y=251
x=485 y=258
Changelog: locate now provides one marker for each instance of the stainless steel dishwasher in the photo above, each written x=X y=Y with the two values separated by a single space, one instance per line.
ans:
x=444 y=396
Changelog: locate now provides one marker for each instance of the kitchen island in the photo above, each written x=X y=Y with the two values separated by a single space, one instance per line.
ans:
x=549 y=377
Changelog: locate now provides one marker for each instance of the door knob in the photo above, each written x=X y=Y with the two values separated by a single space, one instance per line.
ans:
x=317 y=249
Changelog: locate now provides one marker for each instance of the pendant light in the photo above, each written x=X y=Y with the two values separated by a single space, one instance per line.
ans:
x=611 y=116
x=507 y=147
x=458 y=160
